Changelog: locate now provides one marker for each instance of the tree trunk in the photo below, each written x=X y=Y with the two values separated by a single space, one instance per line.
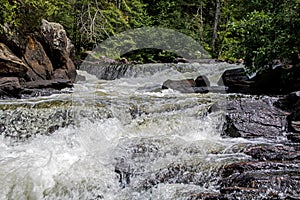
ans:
x=215 y=29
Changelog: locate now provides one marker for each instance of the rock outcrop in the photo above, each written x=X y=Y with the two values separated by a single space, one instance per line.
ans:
x=271 y=81
x=200 y=85
x=252 y=118
x=41 y=60
x=272 y=170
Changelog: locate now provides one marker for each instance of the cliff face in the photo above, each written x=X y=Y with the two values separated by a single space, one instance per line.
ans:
x=34 y=61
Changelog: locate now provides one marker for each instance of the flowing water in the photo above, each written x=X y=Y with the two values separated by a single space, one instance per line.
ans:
x=116 y=139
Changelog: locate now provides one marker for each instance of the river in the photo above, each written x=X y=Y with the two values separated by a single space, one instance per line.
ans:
x=117 y=139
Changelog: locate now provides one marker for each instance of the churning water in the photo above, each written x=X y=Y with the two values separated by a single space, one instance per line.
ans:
x=118 y=139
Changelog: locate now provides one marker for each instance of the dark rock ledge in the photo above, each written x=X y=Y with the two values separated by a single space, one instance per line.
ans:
x=36 y=62
x=268 y=82
x=273 y=170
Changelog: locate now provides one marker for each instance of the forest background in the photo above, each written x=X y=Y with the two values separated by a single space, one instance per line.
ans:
x=258 y=32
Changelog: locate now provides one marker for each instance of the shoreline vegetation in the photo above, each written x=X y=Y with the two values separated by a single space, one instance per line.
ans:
x=263 y=35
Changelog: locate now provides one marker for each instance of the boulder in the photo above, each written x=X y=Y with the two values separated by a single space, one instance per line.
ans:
x=58 y=47
x=202 y=81
x=10 y=64
x=184 y=86
x=291 y=103
x=54 y=83
x=40 y=66
x=269 y=81
x=273 y=152
x=282 y=178
x=251 y=118
x=236 y=80
x=10 y=86
x=280 y=79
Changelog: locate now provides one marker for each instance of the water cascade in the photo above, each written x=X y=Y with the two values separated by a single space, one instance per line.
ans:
x=118 y=138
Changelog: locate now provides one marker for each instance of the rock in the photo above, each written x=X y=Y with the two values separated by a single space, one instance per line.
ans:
x=274 y=81
x=10 y=86
x=184 y=86
x=200 y=85
x=281 y=178
x=55 y=84
x=251 y=118
x=213 y=89
x=58 y=47
x=291 y=103
x=294 y=137
x=268 y=81
x=202 y=81
x=236 y=80
x=273 y=152
x=60 y=74
x=40 y=67
x=10 y=64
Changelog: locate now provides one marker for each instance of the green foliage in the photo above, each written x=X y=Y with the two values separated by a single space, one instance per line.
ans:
x=25 y=15
x=258 y=32
x=150 y=56
x=261 y=36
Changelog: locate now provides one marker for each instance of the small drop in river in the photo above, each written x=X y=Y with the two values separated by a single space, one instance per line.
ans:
x=118 y=135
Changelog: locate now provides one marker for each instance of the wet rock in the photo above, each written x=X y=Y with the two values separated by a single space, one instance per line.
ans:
x=2 y=128
x=55 y=84
x=280 y=178
x=184 y=86
x=202 y=81
x=294 y=137
x=236 y=80
x=10 y=86
x=22 y=121
x=10 y=64
x=268 y=81
x=251 y=118
x=200 y=85
x=273 y=152
x=273 y=81
x=241 y=167
x=291 y=103
x=40 y=67
x=207 y=196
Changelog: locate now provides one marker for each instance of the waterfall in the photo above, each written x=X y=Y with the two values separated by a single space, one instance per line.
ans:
x=117 y=136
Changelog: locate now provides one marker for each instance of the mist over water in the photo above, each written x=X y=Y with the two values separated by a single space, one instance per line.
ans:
x=153 y=144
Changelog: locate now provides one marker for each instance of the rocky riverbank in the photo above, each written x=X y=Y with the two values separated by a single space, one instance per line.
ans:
x=273 y=169
x=36 y=63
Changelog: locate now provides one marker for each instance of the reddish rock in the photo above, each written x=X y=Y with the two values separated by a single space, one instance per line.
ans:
x=40 y=66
